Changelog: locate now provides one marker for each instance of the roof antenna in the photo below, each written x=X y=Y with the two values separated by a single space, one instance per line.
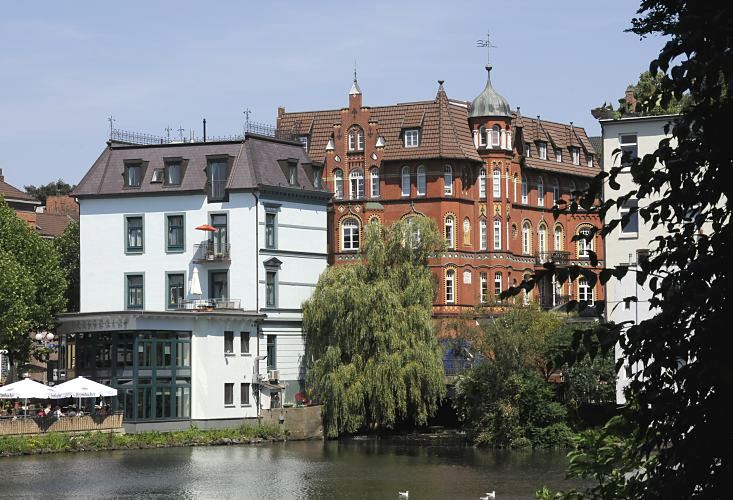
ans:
x=111 y=121
x=246 y=114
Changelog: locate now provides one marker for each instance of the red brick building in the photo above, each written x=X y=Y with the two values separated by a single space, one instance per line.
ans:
x=486 y=174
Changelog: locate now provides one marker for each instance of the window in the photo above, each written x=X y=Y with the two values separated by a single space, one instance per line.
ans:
x=292 y=174
x=244 y=342
x=272 y=352
x=135 y=291
x=572 y=191
x=584 y=245
x=218 y=240
x=540 y=192
x=412 y=138
x=173 y=173
x=270 y=238
x=482 y=136
x=496 y=181
x=497 y=234
x=525 y=190
x=134 y=232
x=174 y=242
x=133 y=175
x=542 y=150
x=575 y=155
x=514 y=187
x=558 y=238
x=495 y=134
x=405 y=181
x=629 y=149
x=585 y=292
x=228 y=394
x=482 y=234
x=497 y=285
x=356 y=139
x=450 y=232
x=338 y=183
x=484 y=288
x=526 y=238
x=228 y=342
x=360 y=140
x=482 y=183
x=176 y=292
x=374 y=175
x=589 y=158
x=244 y=394
x=558 y=155
x=270 y=288
x=542 y=239
x=303 y=141
x=555 y=192
x=450 y=279
x=421 y=187
x=349 y=235
x=217 y=177
x=629 y=209
x=317 y=181
x=218 y=285
x=356 y=184
x=448 y=180
x=528 y=150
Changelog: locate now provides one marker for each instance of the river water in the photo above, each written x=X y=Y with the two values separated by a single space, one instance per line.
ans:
x=306 y=469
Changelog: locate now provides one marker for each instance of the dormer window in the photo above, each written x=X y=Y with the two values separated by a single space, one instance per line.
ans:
x=589 y=157
x=558 y=155
x=292 y=174
x=133 y=174
x=542 y=150
x=217 y=173
x=356 y=139
x=304 y=142
x=317 y=181
x=528 y=150
x=575 y=155
x=173 y=173
x=412 y=138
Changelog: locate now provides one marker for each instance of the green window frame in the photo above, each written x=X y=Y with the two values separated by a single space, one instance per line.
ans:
x=135 y=291
x=271 y=288
x=134 y=234
x=175 y=289
x=244 y=338
x=270 y=230
x=244 y=394
x=272 y=352
x=175 y=233
x=228 y=394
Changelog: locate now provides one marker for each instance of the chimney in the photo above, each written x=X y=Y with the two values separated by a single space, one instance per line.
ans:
x=204 y=129
x=630 y=99
x=2 y=178
x=280 y=111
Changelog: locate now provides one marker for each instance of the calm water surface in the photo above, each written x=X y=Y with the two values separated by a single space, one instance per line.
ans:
x=312 y=470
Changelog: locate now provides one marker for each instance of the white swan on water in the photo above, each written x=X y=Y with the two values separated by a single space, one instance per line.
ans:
x=404 y=494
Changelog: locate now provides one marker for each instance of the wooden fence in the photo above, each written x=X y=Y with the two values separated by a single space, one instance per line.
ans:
x=40 y=425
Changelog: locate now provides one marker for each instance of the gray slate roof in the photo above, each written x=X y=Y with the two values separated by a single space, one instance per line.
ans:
x=254 y=165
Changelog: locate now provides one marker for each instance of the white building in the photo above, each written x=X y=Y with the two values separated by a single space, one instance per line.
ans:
x=195 y=260
x=629 y=243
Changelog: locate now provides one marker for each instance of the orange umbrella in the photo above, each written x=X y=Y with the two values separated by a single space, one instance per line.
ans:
x=206 y=227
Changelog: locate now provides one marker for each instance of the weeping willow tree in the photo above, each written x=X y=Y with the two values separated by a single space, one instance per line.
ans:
x=375 y=362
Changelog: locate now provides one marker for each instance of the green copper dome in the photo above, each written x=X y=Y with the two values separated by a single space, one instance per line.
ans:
x=489 y=102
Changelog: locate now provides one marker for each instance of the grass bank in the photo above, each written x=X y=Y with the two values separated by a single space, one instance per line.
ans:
x=57 y=442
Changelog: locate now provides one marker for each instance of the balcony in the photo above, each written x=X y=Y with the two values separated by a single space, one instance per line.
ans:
x=555 y=256
x=211 y=251
x=552 y=302
x=208 y=304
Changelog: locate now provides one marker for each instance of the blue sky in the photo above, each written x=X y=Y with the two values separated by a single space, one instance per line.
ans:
x=66 y=66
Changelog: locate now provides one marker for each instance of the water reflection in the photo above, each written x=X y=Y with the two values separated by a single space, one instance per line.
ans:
x=315 y=470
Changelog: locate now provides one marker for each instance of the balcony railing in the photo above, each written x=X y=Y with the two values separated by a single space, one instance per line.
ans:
x=554 y=256
x=208 y=304
x=211 y=251
x=549 y=302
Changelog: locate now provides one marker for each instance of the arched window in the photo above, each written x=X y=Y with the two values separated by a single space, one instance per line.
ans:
x=482 y=234
x=540 y=192
x=497 y=286
x=525 y=190
x=482 y=183
x=338 y=183
x=496 y=181
x=526 y=238
x=559 y=240
x=405 y=181
x=495 y=135
x=450 y=286
x=356 y=139
x=356 y=184
x=466 y=231
x=542 y=239
x=349 y=235
x=421 y=187
x=555 y=191
x=448 y=180
x=374 y=177
x=584 y=245
x=585 y=292
x=450 y=233
x=482 y=136
x=497 y=234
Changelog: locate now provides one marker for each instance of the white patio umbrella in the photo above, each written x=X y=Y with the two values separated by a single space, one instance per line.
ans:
x=81 y=387
x=27 y=389
x=195 y=282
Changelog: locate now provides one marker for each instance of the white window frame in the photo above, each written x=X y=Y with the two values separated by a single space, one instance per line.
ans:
x=351 y=227
x=516 y=181
x=498 y=286
x=482 y=183
x=625 y=146
x=589 y=158
x=585 y=292
x=450 y=232
x=412 y=138
x=482 y=234
x=558 y=237
x=558 y=155
x=450 y=286
x=575 y=155
x=583 y=245
x=624 y=210
x=542 y=238
x=555 y=191
x=356 y=184
x=526 y=238
x=359 y=139
x=421 y=181
x=495 y=136
x=542 y=150
x=483 y=287
x=528 y=150
x=448 y=180
x=497 y=234
x=482 y=136
x=351 y=139
x=405 y=183
x=525 y=190
x=540 y=192
x=338 y=184
x=374 y=178
x=496 y=183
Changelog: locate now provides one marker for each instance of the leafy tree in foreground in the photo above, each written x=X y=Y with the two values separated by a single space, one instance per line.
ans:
x=53 y=188
x=673 y=438
x=646 y=90
x=67 y=247
x=374 y=358
x=31 y=284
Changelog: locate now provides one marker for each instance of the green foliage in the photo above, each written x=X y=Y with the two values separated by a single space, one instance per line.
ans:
x=67 y=247
x=672 y=438
x=374 y=359
x=648 y=99
x=32 y=284
x=53 y=188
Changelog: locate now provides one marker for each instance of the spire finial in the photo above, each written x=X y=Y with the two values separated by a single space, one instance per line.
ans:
x=354 y=70
x=355 y=86
x=487 y=45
